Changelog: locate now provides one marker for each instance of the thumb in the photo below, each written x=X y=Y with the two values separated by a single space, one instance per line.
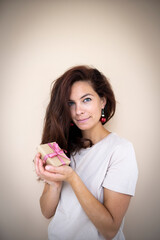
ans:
x=50 y=168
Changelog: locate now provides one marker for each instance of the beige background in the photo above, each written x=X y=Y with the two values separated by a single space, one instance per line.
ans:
x=39 y=41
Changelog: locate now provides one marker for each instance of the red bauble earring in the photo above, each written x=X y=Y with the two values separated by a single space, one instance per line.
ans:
x=71 y=124
x=103 y=118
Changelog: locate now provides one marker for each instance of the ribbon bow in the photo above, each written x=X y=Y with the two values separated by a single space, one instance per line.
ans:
x=57 y=152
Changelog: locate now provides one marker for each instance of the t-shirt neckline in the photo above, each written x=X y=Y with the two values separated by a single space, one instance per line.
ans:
x=99 y=142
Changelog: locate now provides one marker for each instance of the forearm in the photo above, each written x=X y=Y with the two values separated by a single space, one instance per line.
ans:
x=97 y=212
x=106 y=217
x=49 y=200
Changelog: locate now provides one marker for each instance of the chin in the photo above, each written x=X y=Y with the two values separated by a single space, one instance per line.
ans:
x=83 y=127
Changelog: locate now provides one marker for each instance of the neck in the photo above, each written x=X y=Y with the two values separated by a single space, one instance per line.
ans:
x=96 y=134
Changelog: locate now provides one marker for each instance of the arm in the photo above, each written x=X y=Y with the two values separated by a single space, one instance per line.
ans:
x=51 y=193
x=49 y=200
x=106 y=217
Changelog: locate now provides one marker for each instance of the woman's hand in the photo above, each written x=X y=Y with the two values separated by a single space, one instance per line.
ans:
x=52 y=189
x=62 y=173
x=43 y=174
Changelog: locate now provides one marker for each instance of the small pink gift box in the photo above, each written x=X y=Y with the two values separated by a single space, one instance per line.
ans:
x=52 y=154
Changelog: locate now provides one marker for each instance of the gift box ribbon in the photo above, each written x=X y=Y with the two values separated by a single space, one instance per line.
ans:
x=57 y=152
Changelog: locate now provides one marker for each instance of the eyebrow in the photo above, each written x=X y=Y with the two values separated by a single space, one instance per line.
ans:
x=85 y=95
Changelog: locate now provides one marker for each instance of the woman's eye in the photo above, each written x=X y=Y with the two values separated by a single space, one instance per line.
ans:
x=87 y=100
x=70 y=103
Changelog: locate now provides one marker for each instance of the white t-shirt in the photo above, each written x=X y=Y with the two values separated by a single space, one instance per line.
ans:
x=110 y=164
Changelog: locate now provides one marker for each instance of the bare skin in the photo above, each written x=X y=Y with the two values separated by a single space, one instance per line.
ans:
x=107 y=217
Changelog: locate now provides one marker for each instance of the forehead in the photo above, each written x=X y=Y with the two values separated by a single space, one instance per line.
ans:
x=80 y=88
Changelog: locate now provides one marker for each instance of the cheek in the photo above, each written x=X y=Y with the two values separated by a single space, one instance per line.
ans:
x=99 y=113
x=72 y=112
x=97 y=109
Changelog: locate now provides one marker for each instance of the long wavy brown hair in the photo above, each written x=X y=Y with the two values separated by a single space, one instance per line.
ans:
x=57 y=123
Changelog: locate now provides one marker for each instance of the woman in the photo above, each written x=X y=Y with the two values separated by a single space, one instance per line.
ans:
x=88 y=199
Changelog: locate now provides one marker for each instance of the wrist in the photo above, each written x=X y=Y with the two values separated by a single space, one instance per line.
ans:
x=54 y=185
x=49 y=182
x=72 y=180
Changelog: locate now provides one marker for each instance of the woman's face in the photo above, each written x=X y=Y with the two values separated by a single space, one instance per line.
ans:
x=85 y=105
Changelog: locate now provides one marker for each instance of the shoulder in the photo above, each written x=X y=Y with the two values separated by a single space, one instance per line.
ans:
x=121 y=147
x=122 y=172
x=121 y=153
x=116 y=143
x=117 y=140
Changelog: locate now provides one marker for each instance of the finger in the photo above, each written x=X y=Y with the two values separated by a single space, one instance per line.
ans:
x=50 y=168
x=41 y=166
x=48 y=175
x=37 y=164
x=38 y=155
x=54 y=169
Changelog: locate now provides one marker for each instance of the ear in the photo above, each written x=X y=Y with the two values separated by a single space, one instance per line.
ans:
x=103 y=102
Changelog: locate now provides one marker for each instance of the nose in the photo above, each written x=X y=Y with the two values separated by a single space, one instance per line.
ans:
x=79 y=109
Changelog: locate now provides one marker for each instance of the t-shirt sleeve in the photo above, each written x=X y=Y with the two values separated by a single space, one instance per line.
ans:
x=122 y=172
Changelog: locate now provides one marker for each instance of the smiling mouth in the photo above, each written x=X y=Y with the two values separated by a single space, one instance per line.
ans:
x=82 y=120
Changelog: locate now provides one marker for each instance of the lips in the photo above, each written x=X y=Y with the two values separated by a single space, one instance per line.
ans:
x=82 y=120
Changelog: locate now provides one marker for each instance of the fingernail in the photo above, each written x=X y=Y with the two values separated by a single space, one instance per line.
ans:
x=47 y=167
x=40 y=162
